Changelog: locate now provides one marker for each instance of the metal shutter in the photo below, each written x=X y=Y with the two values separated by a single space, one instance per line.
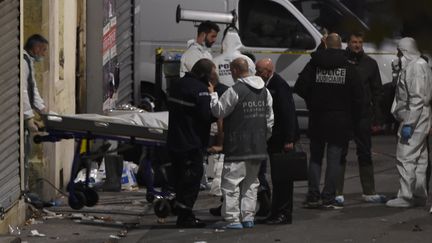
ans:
x=9 y=103
x=125 y=50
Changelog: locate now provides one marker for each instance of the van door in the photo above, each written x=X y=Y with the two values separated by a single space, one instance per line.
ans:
x=268 y=28
x=277 y=30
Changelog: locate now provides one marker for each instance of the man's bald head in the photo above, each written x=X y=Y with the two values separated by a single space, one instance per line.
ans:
x=239 y=68
x=333 y=41
x=265 y=68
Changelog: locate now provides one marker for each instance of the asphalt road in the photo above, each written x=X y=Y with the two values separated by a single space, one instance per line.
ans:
x=356 y=222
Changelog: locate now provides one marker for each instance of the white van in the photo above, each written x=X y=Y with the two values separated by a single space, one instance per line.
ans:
x=287 y=31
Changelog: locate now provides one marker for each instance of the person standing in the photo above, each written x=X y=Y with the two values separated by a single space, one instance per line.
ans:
x=231 y=45
x=35 y=50
x=371 y=119
x=200 y=47
x=248 y=118
x=411 y=107
x=334 y=97
x=188 y=137
x=285 y=134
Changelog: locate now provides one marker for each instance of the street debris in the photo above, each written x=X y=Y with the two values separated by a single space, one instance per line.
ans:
x=14 y=230
x=219 y=230
x=417 y=228
x=122 y=233
x=35 y=233
x=115 y=237
x=33 y=221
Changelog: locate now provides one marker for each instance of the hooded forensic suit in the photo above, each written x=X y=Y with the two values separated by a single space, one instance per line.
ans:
x=411 y=107
x=231 y=46
x=248 y=119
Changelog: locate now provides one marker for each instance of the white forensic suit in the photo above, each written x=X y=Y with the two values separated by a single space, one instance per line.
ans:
x=240 y=171
x=411 y=107
x=231 y=46
x=194 y=53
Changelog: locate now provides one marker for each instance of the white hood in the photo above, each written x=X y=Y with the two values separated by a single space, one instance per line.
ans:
x=231 y=43
x=253 y=81
x=409 y=48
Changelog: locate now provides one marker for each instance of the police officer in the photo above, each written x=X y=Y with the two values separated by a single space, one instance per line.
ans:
x=334 y=97
x=248 y=118
x=188 y=137
x=371 y=119
x=284 y=135
x=411 y=107
x=200 y=47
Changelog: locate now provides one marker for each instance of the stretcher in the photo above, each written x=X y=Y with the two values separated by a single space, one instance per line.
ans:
x=132 y=128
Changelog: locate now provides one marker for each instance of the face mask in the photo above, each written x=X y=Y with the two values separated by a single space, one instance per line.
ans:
x=38 y=59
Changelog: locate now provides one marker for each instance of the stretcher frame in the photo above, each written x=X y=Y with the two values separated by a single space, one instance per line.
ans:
x=59 y=127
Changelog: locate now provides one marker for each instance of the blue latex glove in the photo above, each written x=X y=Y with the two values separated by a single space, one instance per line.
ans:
x=406 y=132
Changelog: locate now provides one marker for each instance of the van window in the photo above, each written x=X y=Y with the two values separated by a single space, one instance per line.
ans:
x=331 y=16
x=263 y=23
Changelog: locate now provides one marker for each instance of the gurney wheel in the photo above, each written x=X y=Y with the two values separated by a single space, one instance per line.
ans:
x=162 y=208
x=91 y=196
x=150 y=197
x=77 y=200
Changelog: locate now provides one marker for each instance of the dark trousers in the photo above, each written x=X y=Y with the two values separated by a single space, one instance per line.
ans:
x=282 y=193
x=334 y=152
x=428 y=170
x=363 y=141
x=186 y=177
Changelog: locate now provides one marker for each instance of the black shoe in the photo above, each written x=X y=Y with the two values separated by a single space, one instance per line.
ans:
x=280 y=219
x=265 y=220
x=191 y=222
x=311 y=204
x=217 y=211
x=333 y=204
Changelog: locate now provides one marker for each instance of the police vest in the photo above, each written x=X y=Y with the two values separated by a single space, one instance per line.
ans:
x=246 y=127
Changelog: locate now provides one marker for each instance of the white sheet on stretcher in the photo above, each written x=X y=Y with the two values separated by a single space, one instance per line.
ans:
x=158 y=120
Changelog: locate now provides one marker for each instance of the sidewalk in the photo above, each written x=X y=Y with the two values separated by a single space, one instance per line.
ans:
x=127 y=217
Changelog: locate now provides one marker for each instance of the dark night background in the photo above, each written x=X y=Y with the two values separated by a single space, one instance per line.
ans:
x=392 y=18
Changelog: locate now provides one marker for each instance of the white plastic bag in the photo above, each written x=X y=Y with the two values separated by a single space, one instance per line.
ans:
x=128 y=179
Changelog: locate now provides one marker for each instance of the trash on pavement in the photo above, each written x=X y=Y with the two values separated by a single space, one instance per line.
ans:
x=417 y=228
x=122 y=233
x=128 y=179
x=14 y=230
x=34 y=221
x=35 y=233
x=115 y=237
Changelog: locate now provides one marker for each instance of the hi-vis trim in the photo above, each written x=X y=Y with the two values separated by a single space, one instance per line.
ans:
x=181 y=102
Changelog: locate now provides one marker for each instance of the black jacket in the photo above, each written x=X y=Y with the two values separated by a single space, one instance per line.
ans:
x=285 y=128
x=189 y=115
x=333 y=94
x=368 y=73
